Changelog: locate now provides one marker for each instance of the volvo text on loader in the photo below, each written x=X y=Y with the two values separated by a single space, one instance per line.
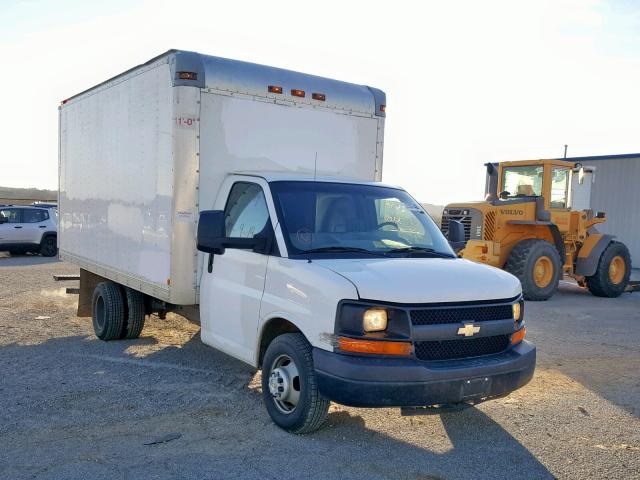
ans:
x=540 y=227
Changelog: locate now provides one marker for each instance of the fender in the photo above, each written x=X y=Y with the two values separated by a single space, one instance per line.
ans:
x=589 y=254
x=555 y=233
x=48 y=233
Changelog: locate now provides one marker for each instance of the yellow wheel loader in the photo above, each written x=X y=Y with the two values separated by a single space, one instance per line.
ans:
x=536 y=223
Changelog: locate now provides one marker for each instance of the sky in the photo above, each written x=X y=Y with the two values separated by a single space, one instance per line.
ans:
x=467 y=82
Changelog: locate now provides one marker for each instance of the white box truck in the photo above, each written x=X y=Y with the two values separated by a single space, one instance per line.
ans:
x=254 y=193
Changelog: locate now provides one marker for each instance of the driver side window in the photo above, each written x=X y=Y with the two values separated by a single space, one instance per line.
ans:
x=246 y=213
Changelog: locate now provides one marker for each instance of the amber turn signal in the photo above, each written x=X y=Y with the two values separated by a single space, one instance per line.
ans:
x=518 y=336
x=187 y=75
x=376 y=347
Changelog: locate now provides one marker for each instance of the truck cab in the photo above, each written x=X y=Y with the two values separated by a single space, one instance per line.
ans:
x=347 y=291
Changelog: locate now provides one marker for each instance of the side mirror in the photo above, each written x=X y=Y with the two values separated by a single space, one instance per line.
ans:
x=211 y=231
x=581 y=175
x=456 y=235
x=4 y=219
x=212 y=236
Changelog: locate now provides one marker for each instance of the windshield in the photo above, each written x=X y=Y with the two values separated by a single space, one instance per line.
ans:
x=340 y=218
x=523 y=181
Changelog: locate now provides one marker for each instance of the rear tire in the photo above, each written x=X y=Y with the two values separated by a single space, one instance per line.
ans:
x=537 y=265
x=108 y=311
x=134 y=321
x=48 y=246
x=289 y=385
x=612 y=274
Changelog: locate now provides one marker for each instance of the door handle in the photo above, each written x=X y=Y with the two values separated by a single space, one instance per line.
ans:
x=42 y=226
x=18 y=226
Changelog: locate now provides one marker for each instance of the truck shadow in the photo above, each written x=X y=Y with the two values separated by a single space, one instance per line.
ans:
x=121 y=394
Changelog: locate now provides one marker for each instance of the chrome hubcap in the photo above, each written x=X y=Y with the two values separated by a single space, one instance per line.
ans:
x=284 y=384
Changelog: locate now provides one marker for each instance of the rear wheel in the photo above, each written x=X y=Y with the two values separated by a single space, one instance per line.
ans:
x=48 y=246
x=537 y=265
x=135 y=316
x=108 y=311
x=612 y=273
x=289 y=385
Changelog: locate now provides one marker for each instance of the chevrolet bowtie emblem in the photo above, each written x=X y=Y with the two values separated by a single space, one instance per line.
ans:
x=469 y=330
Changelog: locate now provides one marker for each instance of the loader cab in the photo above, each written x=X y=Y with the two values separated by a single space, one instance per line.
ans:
x=549 y=179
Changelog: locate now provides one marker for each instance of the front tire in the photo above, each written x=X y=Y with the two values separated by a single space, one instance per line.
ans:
x=108 y=311
x=537 y=265
x=289 y=385
x=612 y=274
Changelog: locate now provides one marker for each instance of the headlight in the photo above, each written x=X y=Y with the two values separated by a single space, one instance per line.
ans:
x=517 y=311
x=374 y=320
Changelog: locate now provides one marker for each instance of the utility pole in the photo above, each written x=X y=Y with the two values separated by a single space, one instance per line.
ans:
x=565 y=151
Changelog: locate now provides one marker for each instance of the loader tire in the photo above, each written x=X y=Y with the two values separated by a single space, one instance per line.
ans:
x=612 y=274
x=108 y=311
x=135 y=314
x=537 y=265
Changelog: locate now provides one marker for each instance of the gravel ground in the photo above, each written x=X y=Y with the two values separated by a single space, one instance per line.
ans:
x=72 y=406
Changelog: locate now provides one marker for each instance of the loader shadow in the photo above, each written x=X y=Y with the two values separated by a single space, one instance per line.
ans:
x=476 y=446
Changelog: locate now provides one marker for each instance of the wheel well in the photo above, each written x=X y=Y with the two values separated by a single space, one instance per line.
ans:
x=271 y=330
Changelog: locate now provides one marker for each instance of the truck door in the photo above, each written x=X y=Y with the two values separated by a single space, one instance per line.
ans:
x=11 y=226
x=231 y=293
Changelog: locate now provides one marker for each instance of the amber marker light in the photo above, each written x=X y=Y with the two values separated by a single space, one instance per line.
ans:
x=518 y=336
x=375 y=347
x=383 y=108
x=187 y=75
x=297 y=93
x=319 y=96
x=274 y=89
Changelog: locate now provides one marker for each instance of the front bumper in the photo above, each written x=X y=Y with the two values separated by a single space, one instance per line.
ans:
x=361 y=381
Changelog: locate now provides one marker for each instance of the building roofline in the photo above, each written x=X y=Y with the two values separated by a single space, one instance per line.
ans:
x=601 y=157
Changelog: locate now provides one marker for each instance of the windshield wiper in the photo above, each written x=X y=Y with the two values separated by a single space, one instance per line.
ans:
x=342 y=249
x=427 y=250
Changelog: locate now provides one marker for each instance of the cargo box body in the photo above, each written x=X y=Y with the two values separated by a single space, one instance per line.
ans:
x=142 y=153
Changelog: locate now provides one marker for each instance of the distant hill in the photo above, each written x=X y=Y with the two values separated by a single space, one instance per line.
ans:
x=33 y=194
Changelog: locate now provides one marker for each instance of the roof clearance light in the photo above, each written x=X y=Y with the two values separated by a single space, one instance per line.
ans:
x=383 y=108
x=187 y=75
x=319 y=96
x=297 y=93
x=275 y=89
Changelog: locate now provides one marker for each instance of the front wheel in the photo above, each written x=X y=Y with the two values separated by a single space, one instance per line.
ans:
x=612 y=274
x=289 y=385
x=537 y=265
